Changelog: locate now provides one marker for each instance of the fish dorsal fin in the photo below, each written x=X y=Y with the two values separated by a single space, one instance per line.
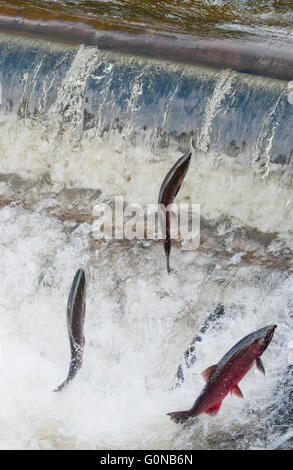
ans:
x=208 y=372
x=260 y=366
x=236 y=390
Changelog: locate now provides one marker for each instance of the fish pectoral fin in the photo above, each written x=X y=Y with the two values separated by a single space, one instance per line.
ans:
x=208 y=372
x=236 y=390
x=260 y=366
x=214 y=409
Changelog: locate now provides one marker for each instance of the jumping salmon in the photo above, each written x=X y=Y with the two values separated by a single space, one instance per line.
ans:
x=224 y=377
x=75 y=324
x=168 y=192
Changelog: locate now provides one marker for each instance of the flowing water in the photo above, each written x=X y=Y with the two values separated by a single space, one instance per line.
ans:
x=79 y=126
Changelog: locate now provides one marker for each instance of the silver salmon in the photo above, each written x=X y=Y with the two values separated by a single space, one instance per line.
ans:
x=75 y=324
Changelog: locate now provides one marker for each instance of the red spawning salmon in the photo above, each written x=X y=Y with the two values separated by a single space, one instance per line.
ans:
x=224 y=377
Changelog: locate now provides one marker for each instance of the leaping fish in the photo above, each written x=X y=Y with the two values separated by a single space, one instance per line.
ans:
x=75 y=323
x=224 y=377
x=167 y=194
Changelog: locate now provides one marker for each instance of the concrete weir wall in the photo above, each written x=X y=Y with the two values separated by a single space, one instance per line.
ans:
x=234 y=54
x=200 y=97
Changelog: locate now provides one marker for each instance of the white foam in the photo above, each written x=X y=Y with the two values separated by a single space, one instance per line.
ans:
x=139 y=320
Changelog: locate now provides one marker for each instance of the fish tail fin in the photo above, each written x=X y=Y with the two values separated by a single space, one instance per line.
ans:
x=179 y=416
x=75 y=365
x=62 y=385
x=168 y=265
x=167 y=249
x=67 y=381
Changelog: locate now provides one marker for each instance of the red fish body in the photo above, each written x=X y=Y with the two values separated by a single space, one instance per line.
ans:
x=225 y=376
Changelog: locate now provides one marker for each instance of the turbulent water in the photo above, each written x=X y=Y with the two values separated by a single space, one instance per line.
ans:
x=77 y=127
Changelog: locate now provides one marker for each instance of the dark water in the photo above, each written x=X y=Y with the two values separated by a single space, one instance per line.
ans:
x=269 y=21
